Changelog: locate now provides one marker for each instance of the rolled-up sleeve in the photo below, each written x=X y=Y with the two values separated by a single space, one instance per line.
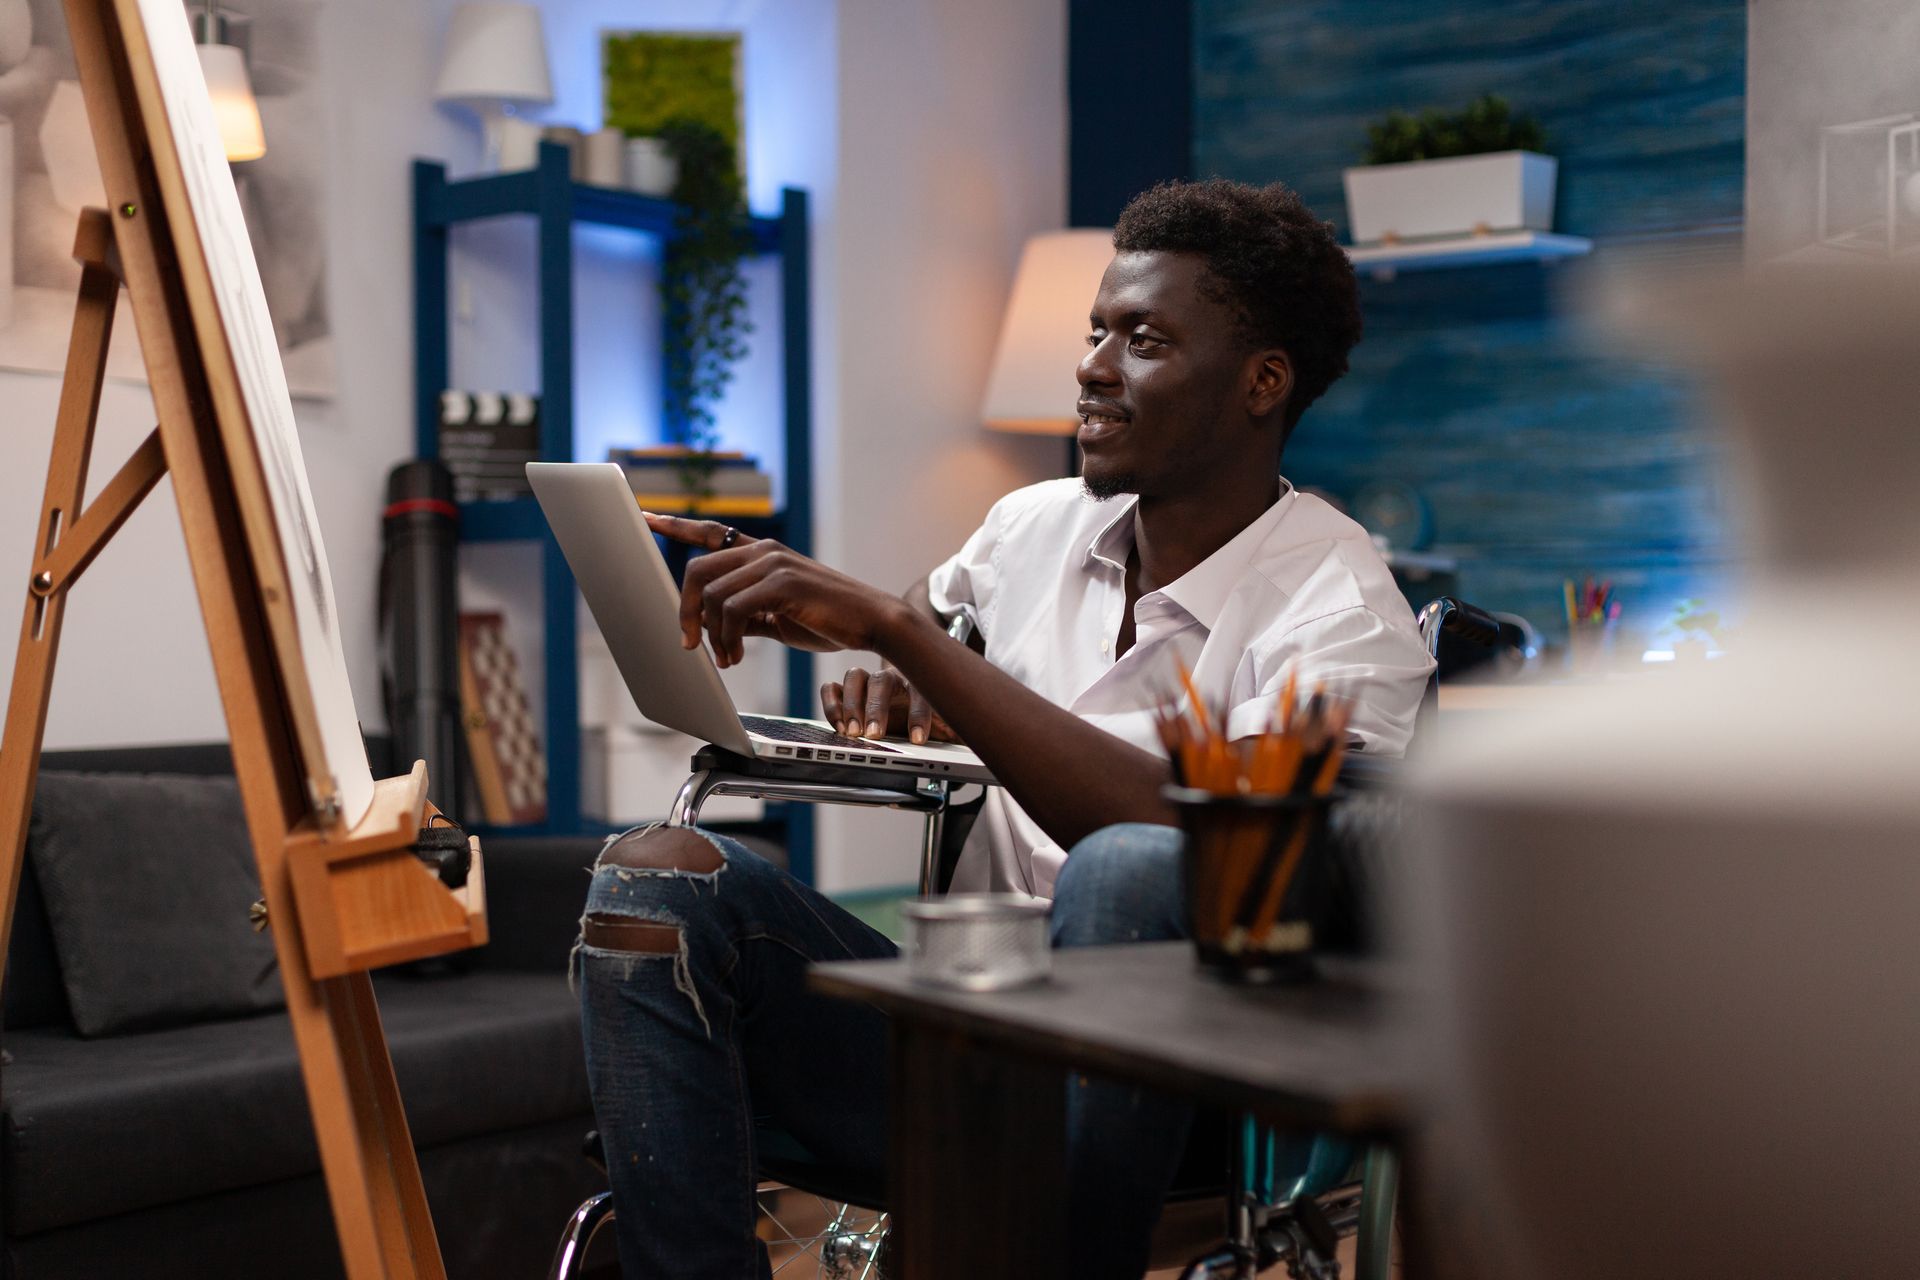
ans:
x=1359 y=656
x=965 y=583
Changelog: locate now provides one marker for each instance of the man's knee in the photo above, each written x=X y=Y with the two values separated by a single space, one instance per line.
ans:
x=1120 y=884
x=664 y=849
x=1116 y=859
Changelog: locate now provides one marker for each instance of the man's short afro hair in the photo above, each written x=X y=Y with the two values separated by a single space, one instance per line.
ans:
x=1270 y=259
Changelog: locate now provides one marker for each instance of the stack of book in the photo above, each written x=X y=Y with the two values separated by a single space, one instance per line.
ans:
x=487 y=438
x=663 y=480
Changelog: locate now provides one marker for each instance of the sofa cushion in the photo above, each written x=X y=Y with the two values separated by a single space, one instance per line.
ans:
x=147 y=879
x=101 y=1127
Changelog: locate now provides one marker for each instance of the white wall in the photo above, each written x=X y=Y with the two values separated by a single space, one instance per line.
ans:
x=133 y=664
x=953 y=149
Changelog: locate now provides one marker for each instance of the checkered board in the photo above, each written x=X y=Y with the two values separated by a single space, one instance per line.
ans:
x=508 y=765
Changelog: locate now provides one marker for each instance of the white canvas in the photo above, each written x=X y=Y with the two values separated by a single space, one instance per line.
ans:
x=222 y=232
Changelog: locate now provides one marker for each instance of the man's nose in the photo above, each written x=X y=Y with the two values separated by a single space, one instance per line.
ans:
x=1094 y=368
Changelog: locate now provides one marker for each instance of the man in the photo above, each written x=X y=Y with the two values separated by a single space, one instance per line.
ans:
x=1226 y=311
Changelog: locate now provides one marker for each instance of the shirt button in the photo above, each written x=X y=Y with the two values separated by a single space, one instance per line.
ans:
x=1104 y=645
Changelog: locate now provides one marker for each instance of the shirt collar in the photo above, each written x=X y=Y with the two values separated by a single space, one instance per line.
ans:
x=1203 y=590
x=1114 y=542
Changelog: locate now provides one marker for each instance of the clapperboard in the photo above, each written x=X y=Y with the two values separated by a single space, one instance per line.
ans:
x=487 y=438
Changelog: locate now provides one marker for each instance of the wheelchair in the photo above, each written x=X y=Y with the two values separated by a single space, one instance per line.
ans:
x=1282 y=1202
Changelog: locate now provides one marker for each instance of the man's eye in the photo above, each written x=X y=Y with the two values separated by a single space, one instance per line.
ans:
x=1145 y=342
x=1093 y=339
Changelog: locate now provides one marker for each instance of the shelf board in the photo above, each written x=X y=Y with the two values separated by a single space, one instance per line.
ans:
x=1421 y=562
x=495 y=195
x=1382 y=261
x=520 y=520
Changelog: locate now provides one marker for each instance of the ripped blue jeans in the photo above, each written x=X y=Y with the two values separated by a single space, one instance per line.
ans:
x=691 y=974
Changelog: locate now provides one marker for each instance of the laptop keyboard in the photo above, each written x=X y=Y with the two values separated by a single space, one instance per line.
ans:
x=811 y=735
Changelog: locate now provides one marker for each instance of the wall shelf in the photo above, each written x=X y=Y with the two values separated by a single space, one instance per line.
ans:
x=549 y=195
x=519 y=520
x=1383 y=262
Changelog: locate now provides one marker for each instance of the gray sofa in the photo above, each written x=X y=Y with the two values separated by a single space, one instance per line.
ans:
x=154 y=1119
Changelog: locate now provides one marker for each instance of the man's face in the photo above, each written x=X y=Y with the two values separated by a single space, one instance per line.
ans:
x=1163 y=386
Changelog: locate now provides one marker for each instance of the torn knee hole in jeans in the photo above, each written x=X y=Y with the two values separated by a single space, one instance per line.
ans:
x=630 y=942
x=604 y=932
x=680 y=852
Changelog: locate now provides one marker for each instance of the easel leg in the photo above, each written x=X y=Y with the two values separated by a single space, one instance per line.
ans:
x=366 y=1152
x=372 y=1179
x=405 y=1223
x=372 y=1175
x=26 y=722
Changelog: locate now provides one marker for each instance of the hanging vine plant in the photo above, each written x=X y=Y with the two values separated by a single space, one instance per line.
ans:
x=703 y=287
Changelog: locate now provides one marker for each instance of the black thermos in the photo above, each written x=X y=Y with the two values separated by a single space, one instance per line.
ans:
x=419 y=629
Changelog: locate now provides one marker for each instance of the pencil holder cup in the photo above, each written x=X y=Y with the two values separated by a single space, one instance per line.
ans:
x=1255 y=875
x=1590 y=648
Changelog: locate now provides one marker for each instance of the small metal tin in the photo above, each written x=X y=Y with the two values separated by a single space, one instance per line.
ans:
x=977 y=941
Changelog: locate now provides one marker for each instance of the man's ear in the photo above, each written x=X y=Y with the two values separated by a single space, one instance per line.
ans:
x=1272 y=383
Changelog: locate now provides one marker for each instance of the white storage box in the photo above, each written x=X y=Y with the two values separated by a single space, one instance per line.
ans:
x=630 y=776
x=1457 y=196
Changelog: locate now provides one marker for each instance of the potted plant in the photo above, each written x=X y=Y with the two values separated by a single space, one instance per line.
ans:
x=703 y=290
x=1440 y=174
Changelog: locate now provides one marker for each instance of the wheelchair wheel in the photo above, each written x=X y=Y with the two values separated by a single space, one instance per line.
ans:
x=810 y=1236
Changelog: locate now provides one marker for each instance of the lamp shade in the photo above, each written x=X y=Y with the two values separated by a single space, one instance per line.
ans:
x=233 y=105
x=1044 y=334
x=496 y=52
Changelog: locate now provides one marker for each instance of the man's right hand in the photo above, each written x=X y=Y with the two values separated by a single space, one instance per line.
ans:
x=877 y=704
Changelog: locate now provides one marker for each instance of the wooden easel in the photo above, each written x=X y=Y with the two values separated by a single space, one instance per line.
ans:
x=340 y=900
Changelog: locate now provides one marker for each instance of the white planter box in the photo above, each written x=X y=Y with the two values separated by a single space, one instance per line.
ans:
x=1457 y=196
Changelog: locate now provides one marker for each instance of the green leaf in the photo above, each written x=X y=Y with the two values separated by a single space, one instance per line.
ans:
x=1484 y=125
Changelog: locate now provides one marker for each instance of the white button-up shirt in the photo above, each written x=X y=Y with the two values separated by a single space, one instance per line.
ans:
x=1301 y=588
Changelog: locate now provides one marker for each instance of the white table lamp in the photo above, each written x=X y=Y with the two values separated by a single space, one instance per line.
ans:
x=233 y=104
x=495 y=61
x=224 y=64
x=1044 y=334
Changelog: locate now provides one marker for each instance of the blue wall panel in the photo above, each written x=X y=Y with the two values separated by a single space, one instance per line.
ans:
x=1542 y=450
x=1129 y=102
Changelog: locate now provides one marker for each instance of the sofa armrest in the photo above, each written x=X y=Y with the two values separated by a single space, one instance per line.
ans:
x=536 y=889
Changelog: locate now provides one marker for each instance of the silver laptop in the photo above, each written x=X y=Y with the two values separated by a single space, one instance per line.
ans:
x=628 y=586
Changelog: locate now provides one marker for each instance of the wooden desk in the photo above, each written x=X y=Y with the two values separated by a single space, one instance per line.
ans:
x=977 y=1170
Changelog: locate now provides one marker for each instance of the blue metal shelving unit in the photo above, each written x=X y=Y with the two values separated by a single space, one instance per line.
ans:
x=557 y=203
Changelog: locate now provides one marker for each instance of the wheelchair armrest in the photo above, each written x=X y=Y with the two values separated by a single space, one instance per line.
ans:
x=723 y=773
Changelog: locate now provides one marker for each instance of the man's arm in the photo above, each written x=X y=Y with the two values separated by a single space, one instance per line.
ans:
x=1070 y=776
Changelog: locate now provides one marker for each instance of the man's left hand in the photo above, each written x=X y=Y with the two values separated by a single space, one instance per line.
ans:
x=757 y=587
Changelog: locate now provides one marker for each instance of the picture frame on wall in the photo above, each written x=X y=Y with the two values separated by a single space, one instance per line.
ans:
x=53 y=172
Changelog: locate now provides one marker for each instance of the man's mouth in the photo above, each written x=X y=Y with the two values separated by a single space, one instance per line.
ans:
x=1098 y=421
x=1098 y=427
